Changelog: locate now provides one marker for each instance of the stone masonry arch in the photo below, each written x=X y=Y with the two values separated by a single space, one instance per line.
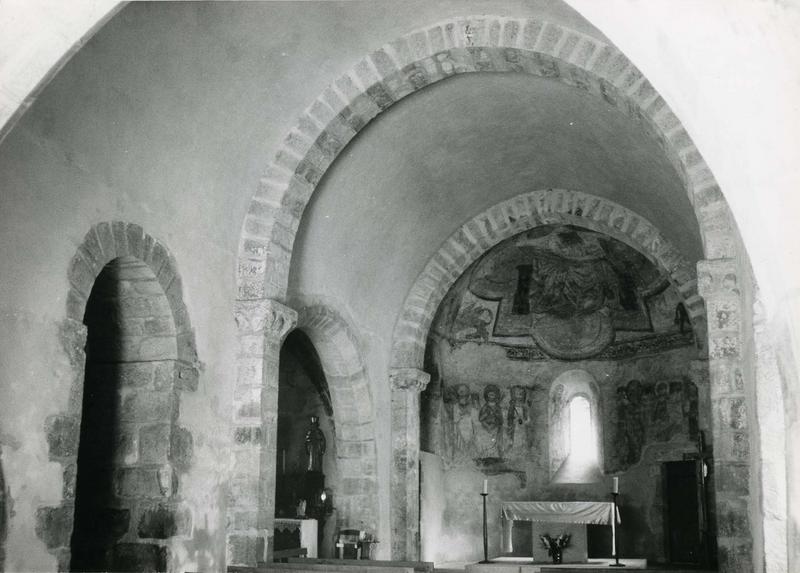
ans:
x=353 y=413
x=422 y=58
x=467 y=245
x=104 y=243
x=519 y=214
x=491 y=44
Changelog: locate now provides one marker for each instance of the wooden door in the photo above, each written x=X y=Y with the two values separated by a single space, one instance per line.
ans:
x=682 y=511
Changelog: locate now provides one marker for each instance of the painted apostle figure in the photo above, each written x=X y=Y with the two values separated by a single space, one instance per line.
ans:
x=491 y=419
x=517 y=421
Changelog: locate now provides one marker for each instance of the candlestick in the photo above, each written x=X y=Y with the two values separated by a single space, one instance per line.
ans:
x=486 y=486
x=615 y=489
x=484 y=495
x=614 y=512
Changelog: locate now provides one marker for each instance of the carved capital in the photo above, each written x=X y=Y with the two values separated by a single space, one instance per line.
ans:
x=718 y=278
x=266 y=316
x=408 y=379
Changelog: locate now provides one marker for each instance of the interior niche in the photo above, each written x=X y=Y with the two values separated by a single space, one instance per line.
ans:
x=126 y=486
x=550 y=322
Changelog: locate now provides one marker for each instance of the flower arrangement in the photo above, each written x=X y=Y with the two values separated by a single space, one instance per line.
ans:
x=555 y=547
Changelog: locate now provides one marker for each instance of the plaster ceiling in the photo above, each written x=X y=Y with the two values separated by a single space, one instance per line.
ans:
x=452 y=150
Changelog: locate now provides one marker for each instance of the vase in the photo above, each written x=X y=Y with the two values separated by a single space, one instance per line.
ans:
x=557 y=555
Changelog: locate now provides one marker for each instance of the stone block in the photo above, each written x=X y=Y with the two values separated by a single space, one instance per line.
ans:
x=134 y=374
x=181 y=448
x=54 y=525
x=126 y=445
x=187 y=376
x=142 y=483
x=732 y=480
x=735 y=555
x=146 y=406
x=247 y=435
x=117 y=521
x=69 y=475
x=106 y=239
x=158 y=325
x=139 y=557
x=81 y=275
x=62 y=436
x=163 y=375
x=724 y=347
x=243 y=492
x=158 y=522
x=157 y=348
x=154 y=443
x=732 y=520
x=245 y=549
x=244 y=520
x=186 y=348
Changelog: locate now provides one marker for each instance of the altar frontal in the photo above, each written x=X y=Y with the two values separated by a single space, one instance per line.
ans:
x=564 y=519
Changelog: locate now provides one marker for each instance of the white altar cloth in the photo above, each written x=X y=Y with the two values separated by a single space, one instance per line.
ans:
x=584 y=512
x=308 y=532
x=596 y=512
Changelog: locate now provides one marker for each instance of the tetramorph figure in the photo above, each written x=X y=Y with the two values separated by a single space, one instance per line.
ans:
x=315 y=446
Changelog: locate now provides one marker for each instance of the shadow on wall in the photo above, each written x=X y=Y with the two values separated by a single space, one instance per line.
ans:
x=124 y=478
x=3 y=514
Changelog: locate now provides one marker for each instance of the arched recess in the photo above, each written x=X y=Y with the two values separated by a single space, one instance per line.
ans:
x=356 y=496
x=161 y=450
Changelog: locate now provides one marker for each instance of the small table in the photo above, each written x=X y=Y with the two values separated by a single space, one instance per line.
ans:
x=578 y=512
x=304 y=529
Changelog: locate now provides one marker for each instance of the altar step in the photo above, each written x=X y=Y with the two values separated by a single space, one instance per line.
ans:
x=506 y=565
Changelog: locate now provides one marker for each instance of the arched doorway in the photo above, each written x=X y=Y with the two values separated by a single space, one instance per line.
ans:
x=132 y=353
x=124 y=481
x=307 y=476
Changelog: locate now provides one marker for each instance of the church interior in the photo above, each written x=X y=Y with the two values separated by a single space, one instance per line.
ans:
x=379 y=287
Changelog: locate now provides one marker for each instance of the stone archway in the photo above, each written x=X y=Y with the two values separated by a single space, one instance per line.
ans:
x=490 y=44
x=465 y=246
x=518 y=214
x=353 y=412
x=422 y=58
x=153 y=518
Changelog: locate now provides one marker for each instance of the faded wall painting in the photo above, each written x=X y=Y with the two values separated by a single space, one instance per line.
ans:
x=650 y=412
x=568 y=293
x=489 y=425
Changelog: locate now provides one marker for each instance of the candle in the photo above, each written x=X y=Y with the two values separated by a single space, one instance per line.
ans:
x=486 y=486
x=616 y=485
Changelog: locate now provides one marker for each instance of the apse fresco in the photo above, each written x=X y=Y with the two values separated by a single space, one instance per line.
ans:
x=567 y=293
